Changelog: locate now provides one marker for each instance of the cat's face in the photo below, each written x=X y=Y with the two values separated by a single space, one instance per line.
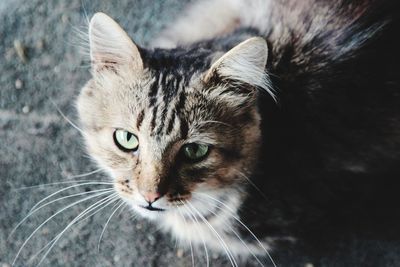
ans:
x=167 y=133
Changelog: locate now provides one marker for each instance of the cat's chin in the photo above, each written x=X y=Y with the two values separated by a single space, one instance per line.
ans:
x=148 y=214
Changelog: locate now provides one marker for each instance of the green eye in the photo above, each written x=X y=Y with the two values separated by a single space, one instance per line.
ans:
x=195 y=151
x=125 y=140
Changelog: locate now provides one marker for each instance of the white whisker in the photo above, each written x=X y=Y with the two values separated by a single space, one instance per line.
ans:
x=202 y=238
x=227 y=251
x=120 y=203
x=190 y=240
x=51 y=217
x=67 y=119
x=50 y=242
x=85 y=12
x=84 y=174
x=73 y=195
x=69 y=187
x=234 y=232
x=252 y=184
x=56 y=183
x=104 y=202
x=216 y=122
x=55 y=200
x=121 y=210
x=239 y=221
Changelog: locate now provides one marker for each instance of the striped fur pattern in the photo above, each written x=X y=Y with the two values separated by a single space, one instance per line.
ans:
x=169 y=98
x=204 y=82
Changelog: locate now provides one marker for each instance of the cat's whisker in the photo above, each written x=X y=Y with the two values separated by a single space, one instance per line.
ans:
x=70 y=196
x=202 y=238
x=85 y=174
x=81 y=34
x=124 y=169
x=221 y=240
x=50 y=242
x=50 y=218
x=67 y=119
x=55 y=200
x=232 y=213
x=83 y=66
x=174 y=237
x=120 y=204
x=190 y=240
x=55 y=184
x=99 y=205
x=69 y=187
x=251 y=183
x=85 y=12
x=232 y=230
x=216 y=122
x=121 y=210
x=84 y=51
x=87 y=156
x=79 y=41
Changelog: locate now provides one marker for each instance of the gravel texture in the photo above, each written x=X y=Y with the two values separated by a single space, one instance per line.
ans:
x=40 y=63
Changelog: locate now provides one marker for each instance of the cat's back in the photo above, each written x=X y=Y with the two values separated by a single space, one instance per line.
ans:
x=336 y=73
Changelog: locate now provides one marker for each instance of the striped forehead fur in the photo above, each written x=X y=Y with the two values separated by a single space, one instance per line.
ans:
x=111 y=46
x=165 y=101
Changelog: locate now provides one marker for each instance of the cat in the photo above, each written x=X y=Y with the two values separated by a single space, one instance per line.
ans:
x=248 y=126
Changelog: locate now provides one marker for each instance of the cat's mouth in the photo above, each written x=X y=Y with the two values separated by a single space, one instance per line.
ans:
x=151 y=208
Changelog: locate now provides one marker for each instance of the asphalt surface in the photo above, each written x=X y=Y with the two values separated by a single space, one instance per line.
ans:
x=37 y=146
x=41 y=63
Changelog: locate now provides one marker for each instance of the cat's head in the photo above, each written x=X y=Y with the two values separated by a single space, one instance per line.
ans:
x=169 y=124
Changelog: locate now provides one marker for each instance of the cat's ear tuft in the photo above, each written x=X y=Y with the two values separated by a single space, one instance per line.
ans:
x=110 y=45
x=245 y=63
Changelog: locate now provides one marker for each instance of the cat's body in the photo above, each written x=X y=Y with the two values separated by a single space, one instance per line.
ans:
x=322 y=160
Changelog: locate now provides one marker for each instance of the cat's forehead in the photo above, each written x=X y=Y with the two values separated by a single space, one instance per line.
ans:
x=177 y=61
x=169 y=100
x=166 y=105
x=171 y=81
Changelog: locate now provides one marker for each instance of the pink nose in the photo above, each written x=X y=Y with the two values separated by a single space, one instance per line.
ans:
x=151 y=196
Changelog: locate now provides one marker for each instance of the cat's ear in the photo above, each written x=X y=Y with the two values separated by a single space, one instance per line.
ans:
x=110 y=46
x=244 y=64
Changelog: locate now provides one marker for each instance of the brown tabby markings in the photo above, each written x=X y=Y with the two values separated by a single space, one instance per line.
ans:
x=168 y=100
x=140 y=119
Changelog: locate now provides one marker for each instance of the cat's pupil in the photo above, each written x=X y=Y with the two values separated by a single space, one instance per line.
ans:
x=192 y=149
x=128 y=136
x=195 y=151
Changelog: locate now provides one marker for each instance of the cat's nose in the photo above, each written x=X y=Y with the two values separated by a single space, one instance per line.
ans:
x=151 y=197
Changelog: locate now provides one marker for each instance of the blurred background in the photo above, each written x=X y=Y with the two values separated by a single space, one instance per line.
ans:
x=41 y=61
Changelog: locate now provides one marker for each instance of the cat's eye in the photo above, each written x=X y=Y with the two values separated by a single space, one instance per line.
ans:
x=195 y=151
x=125 y=140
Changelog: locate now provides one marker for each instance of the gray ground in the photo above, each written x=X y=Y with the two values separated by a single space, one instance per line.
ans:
x=38 y=146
